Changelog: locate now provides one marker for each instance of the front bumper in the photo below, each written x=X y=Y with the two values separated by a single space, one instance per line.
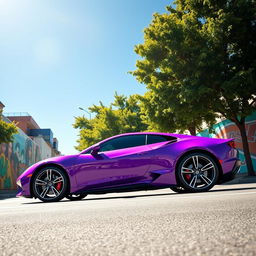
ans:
x=23 y=185
x=231 y=175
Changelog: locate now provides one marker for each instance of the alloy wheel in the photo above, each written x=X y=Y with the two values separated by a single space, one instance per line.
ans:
x=198 y=172
x=50 y=184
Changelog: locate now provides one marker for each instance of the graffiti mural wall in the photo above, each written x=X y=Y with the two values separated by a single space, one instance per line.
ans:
x=16 y=157
x=227 y=129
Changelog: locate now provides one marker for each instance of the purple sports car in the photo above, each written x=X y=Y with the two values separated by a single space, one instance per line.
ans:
x=133 y=161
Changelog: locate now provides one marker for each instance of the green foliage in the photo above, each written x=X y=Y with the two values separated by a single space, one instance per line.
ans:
x=7 y=130
x=199 y=61
x=229 y=31
x=123 y=115
x=172 y=60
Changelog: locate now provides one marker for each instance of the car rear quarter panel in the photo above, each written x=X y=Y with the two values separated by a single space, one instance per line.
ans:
x=219 y=148
x=166 y=157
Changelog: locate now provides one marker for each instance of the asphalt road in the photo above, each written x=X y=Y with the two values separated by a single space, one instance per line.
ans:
x=160 y=222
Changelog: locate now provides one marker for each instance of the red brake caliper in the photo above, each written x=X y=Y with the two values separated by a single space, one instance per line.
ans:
x=187 y=176
x=58 y=186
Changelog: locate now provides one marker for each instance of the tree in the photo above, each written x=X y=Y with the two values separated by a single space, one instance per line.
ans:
x=231 y=34
x=123 y=115
x=202 y=53
x=166 y=112
x=7 y=130
x=170 y=54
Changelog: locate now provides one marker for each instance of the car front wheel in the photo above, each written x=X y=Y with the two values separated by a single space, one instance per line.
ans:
x=197 y=172
x=50 y=184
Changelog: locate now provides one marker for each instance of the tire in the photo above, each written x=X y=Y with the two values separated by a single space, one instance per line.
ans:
x=197 y=172
x=178 y=190
x=50 y=184
x=74 y=197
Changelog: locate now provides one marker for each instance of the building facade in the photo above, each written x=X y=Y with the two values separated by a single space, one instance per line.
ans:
x=227 y=129
x=28 y=147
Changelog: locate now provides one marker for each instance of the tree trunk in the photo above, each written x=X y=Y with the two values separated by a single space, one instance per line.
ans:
x=247 y=155
x=192 y=130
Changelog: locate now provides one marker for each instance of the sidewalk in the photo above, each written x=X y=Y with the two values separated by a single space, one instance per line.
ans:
x=7 y=194
x=241 y=179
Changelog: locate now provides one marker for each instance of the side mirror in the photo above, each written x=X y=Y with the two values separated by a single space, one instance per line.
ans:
x=95 y=150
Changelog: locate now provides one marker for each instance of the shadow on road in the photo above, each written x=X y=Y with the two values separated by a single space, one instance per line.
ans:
x=150 y=195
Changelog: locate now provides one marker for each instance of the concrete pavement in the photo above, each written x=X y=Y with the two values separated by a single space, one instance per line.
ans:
x=242 y=179
x=219 y=222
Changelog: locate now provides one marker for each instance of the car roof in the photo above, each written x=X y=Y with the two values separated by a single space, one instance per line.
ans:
x=140 y=133
x=148 y=133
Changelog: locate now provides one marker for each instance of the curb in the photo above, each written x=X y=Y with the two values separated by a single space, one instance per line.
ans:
x=241 y=179
x=7 y=194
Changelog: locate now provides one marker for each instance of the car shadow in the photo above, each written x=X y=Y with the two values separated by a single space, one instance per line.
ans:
x=146 y=195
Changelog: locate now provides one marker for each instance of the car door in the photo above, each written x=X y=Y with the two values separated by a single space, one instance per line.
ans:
x=121 y=161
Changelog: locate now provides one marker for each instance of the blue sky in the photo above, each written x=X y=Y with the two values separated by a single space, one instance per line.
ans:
x=57 y=56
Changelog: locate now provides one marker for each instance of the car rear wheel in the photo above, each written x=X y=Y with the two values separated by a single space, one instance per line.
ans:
x=197 y=172
x=50 y=184
x=76 y=197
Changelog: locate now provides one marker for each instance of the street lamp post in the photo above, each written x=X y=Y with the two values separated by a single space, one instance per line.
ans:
x=86 y=112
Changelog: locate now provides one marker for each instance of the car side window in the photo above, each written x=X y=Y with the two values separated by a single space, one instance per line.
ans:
x=157 y=138
x=123 y=142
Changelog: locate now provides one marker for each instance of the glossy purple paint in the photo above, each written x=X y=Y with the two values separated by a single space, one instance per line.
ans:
x=152 y=164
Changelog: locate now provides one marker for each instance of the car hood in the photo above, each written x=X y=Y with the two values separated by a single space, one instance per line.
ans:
x=64 y=161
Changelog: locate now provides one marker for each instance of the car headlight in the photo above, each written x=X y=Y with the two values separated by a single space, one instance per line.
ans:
x=18 y=183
